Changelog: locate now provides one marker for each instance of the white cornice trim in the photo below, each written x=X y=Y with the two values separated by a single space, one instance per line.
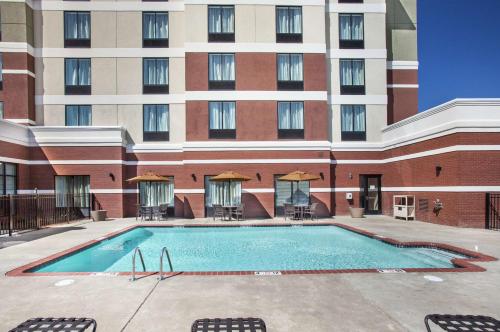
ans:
x=22 y=121
x=376 y=8
x=402 y=86
x=109 y=99
x=256 y=95
x=257 y=161
x=256 y=47
x=48 y=5
x=18 y=72
x=16 y=47
x=109 y=52
x=444 y=189
x=357 y=99
x=402 y=65
x=258 y=2
x=336 y=53
x=257 y=146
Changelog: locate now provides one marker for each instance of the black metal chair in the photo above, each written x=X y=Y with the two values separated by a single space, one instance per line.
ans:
x=463 y=323
x=290 y=211
x=229 y=325
x=239 y=212
x=218 y=211
x=56 y=325
x=163 y=212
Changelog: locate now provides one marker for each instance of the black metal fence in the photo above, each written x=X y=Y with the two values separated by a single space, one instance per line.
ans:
x=25 y=212
x=493 y=211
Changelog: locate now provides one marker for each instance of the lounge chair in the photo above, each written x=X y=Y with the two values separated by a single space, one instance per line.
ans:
x=229 y=324
x=218 y=211
x=56 y=324
x=463 y=323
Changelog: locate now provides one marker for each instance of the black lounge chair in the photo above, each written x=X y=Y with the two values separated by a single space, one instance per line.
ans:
x=56 y=325
x=229 y=325
x=463 y=323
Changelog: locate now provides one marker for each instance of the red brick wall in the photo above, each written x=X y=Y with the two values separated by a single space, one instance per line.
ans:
x=402 y=102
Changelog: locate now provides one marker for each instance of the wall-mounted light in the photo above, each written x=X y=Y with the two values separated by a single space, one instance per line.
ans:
x=112 y=176
x=438 y=170
x=194 y=177
x=349 y=175
x=322 y=175
x=258 y=176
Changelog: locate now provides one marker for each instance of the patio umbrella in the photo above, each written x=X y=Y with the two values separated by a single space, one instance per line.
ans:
x=230 y=176
x=297 y=177
x=147 y=177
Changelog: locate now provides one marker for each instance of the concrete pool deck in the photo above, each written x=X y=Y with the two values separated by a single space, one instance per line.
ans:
x=332 y=302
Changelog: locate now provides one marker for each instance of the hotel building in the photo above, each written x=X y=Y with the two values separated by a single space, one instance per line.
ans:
x=97 y=92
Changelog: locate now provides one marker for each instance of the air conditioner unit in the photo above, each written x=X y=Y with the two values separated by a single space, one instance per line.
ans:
x=348 y=195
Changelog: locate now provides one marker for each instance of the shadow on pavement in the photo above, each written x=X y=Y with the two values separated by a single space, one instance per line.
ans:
x=8 y=241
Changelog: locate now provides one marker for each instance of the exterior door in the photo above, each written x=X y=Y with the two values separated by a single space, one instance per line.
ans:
x=371 y=194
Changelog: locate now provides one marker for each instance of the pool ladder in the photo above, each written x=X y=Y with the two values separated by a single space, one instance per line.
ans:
x=164 y=252
x=137 y=250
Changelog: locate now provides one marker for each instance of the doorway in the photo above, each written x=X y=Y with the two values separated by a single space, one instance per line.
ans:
x=371 y=193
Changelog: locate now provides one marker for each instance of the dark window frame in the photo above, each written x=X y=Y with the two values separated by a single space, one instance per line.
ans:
x=155 y=42
x=155 y=88
x=352 y=135
x=77 y=42
x=289 y=37
x=351 y=43
x=155 y=136
x=222 y=133
x=221 y=85
x=353 y=89
x=79 y=109
x=290 y=133
x=350 y=1
x=289 y=85
x=4 y=177
x=227 y=37
x=77 y=89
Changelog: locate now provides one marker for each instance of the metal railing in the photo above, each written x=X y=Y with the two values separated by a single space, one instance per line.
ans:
x=165 y=251
x=26 y=212
x=137 y=250
x=493 y=211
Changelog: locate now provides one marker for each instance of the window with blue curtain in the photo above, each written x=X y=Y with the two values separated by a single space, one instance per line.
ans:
x=220 y=23
x=353 y=122
x=77 y=76
x=78 y=115
x=288 y=24
x=221 y=71
x=222 y=119
x=76 y=29
x=351 y=30
x=156 y=122
x=155 y=75
x=290 y=71
x=352 y=76
x=290 y=119
x=155 y=29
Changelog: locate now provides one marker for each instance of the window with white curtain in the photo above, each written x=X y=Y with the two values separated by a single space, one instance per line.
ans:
x=73 y=191
x=78 y=115
x=221 y=71
x=8 y=179
x=77 y=76
x=157 y=193
x=224 y=193
x=77 y=29
x=290 y=115
x=352 y=76
x=290 y=193
x=220 y=23
x=156 y=122
x=353 y=122
x=155 y=29
x=290 y=67
x=155 y=75
x=222 y=114
x=351 y=30
x=288 y=24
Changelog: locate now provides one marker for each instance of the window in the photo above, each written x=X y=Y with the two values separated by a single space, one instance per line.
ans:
x=289 y=24
x=156 y=122
x=290 y=119
x=73 y=191
x=155 y=29
x=78 y=115
x=1 y=110
x=352 y=77
x=155 y=76
x=351 y=31
x=290 y=72
x=157 y=193
x=77 y=76
x=76 y=29
x=221 y=23
x=8 y=179
x=353 y=119
x=289 y=193
x=222 y=119
x=1 y=71
x=224 y=193
x=221 y=71
x=350 y=1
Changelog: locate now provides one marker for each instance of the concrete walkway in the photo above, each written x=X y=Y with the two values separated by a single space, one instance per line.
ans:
x=342 y=302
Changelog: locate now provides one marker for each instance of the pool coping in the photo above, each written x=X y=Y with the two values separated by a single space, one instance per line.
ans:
x=462 y=264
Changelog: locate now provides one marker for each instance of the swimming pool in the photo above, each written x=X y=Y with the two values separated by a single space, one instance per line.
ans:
x=276 y=248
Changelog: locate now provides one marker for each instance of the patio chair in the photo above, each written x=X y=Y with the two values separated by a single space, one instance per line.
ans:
x=57 y=324
x=239 y=213
x=229 y=324
x=310 y=211
x=218 y=211
x=144 y=212
x=463 y=323
x=163 y=212
x=289 y=211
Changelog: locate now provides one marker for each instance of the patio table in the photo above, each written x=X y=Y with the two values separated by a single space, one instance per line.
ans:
x=150 y=211
x=299 y=209
x=228 y=209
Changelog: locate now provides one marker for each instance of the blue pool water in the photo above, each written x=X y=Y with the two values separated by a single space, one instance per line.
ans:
x=248 y=249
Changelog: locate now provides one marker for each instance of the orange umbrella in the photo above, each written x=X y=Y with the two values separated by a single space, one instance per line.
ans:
x=297 y=177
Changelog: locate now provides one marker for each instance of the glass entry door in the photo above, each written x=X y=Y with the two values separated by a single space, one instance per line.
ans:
x=370 y=193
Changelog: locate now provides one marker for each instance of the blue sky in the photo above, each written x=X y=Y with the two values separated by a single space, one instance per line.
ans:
x=459 y=50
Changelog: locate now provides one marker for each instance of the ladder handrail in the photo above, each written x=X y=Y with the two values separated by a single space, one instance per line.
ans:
x=164 y=250
x=137 y=250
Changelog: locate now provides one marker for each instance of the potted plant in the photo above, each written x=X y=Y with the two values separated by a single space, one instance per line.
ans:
x=356 y=212
x=99 y=215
